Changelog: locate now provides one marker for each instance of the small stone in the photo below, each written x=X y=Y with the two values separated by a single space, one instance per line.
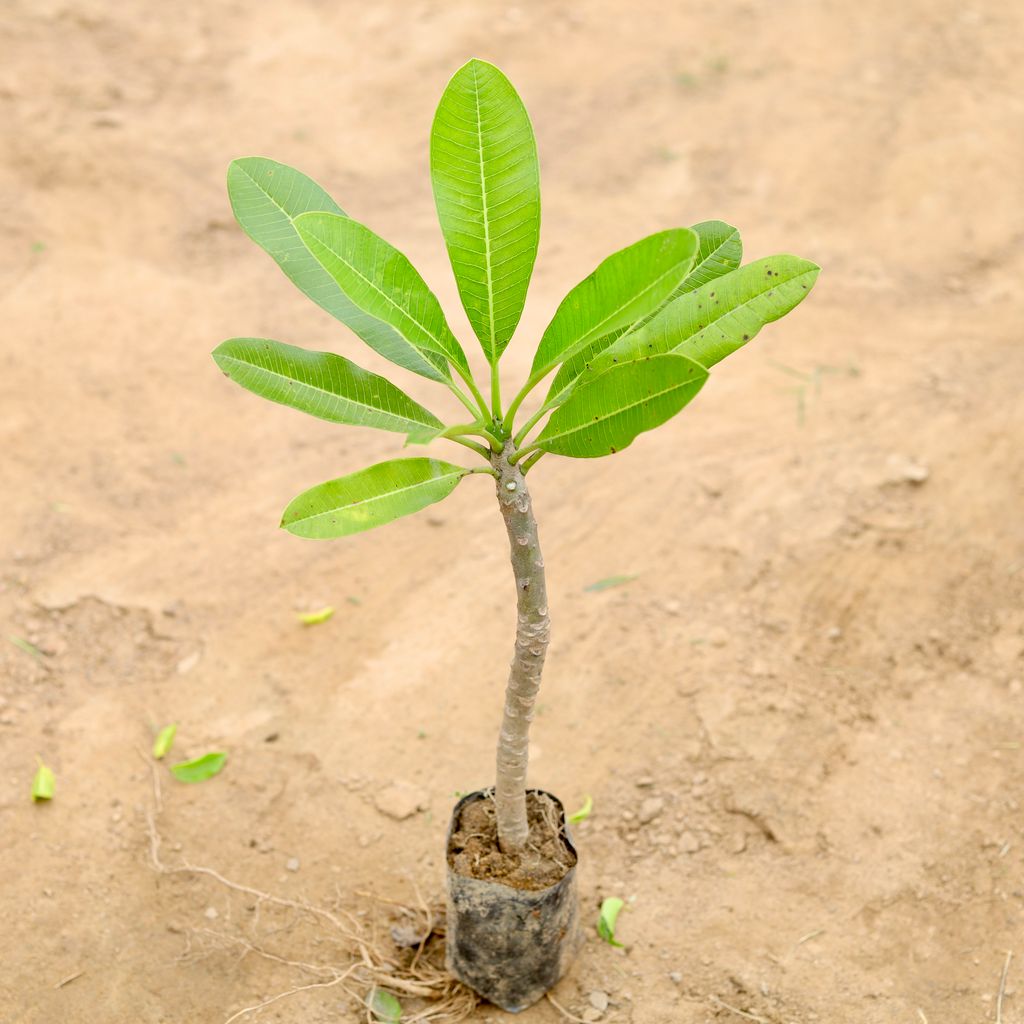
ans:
x=188 y=663
x=598 y=1000
x=676 y=977
x=901 y=469
x=644 y=782
x=672 y=607
x=211 y=914
x=591 y=1015
x=650 y=809
x=401 y=800
x=292 y=863
x=833 y=633
x=718 y=637
x=688 y=842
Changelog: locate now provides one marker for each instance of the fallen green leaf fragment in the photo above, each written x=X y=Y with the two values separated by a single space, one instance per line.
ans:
x=385 y=1008
x=606 y=922
x=164 y=740
x=200 y=768
x=24 y=645
x=44 y=784
x=607 y=583
x=583 y=813
x=314 y=618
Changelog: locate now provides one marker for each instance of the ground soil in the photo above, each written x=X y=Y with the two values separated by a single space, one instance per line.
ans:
x=473 y=849
x=813 y=686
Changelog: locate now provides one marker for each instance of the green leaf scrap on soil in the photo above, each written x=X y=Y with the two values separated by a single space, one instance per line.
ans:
x=583 y=813
x=606 y=922
x=607 y=583
x=200 y=768
x=24 y=645
x=314 y=618
x=164 y=740
x=385 y=1007
x=44 y=784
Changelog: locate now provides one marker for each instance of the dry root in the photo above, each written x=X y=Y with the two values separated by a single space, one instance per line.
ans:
x=374 y=943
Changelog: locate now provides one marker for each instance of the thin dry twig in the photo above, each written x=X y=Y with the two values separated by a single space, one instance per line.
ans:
x=291 y=992
x=562 y=1010
x=70 y=978
x=739 y=1013
x=1002 y=987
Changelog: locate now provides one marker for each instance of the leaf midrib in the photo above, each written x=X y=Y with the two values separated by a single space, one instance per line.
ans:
x=376 y=497
x=486 y=224
x=580 y=343
x=622 y=409
x=387 y=298
x=332 y=394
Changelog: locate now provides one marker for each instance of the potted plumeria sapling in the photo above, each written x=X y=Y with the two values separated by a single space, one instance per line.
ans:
x=625 y=351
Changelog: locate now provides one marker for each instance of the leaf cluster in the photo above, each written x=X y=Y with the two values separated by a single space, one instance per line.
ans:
x=628 y=347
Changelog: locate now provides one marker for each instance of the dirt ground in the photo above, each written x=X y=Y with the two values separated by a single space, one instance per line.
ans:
x=815 y=680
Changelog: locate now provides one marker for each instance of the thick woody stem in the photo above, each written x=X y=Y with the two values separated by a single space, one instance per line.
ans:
x=532 y=634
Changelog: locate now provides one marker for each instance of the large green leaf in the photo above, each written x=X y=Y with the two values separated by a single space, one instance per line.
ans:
x=267 y=197
x=381 y=281
x=605 y=412
x=624 y=288
x=483 y=164
x=322 y=384
x=371 y=497
x=721 y=316
x=720 y=251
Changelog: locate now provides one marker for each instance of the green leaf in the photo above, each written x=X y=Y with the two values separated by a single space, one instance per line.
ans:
x=719 y=252
x=486 y=177
x=386 y=1009
x=44 y=785
x=315 y=618
x=721 y=316
x=583 y=813
x=266 y=197
x=606 y=921
x=381 y=281
x=24 y=645
x=605 y=412
x=371 y=497
x=199 y=769
x=322 y=384
x=623 y=289
x=164 y=740
x=607 y=583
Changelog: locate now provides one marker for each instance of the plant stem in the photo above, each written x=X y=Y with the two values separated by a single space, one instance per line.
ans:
x=495 y=393
x=474 y=391
x=529 y=461
x=518 y=400
x=461 y=396
x=532 y=635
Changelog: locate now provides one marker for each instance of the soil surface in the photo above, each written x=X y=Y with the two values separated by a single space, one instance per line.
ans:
x=474 y=852
x=800 y=723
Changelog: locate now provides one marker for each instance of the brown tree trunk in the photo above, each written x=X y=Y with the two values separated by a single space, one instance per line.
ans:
x=532 y=634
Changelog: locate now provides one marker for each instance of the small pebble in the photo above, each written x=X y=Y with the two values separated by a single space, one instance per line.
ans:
x=688 y=842
x=292 y=864
x=590 y=1015
x=598 y=1000
x=211 y=914
x=644 y=782
x=676 y=977
x=650 y=809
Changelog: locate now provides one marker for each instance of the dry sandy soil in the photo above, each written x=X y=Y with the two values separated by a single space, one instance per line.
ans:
x=818 y=669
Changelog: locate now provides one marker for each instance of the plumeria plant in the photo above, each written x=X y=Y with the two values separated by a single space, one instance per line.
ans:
x=626 y=349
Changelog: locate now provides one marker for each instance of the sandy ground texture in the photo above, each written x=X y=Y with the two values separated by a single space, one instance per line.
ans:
x=800 y=723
